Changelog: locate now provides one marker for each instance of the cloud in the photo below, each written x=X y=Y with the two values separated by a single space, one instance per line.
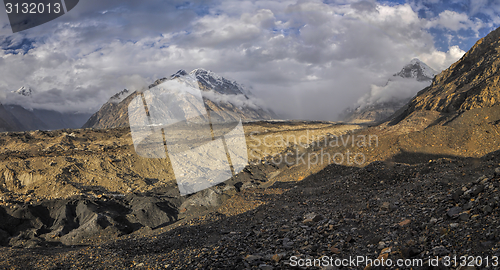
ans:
x=239 y=101
x=305 y=59
x=455 y=21
x=440 y=60
x=395 y=90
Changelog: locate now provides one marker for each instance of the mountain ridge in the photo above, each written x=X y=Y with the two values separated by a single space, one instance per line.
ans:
x=224 y=99
x=471 y=82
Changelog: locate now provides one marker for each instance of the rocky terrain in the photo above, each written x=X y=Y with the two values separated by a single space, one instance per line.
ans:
x=88 y=186
x=425 y=191
x=64 y=163
x=428 y=206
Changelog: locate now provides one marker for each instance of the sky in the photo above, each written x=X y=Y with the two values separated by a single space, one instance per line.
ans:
x=304 y=59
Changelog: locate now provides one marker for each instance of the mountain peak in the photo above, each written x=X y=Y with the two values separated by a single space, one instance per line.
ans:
x=24 y=91
x=178 y=74
x=211 y=81
x=382 y=101
x=200 y=71
x=416 y=61
x=418 y=70
x=224 y=99
x=118 y=97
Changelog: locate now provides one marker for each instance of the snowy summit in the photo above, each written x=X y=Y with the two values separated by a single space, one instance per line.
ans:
x=418 y=70
x=118 y=97
x=24 y=91
x=211 y=80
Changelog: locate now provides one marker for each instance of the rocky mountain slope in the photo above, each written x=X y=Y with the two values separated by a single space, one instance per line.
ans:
x=225 y=100
x=382 y=102
x=7 y=121
x=472 y=82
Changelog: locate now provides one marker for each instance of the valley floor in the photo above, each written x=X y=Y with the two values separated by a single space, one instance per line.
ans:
x=446 y=207
x=404 y=201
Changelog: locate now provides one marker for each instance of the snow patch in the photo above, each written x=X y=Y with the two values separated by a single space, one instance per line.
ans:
x=118 y=97
x=217 y=82
x=427 y=71
x=24 y=91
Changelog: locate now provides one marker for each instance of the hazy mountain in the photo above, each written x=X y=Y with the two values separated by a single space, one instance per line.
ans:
x=39 y=119
x=7 y=121
x=15 y=117
x=383 y=101
x=57 y=120
x=225 y=100
x=28 y=120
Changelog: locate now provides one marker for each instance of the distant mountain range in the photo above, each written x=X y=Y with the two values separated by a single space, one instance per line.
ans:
x=225 y=100
x=17 y=118
x=383 y=101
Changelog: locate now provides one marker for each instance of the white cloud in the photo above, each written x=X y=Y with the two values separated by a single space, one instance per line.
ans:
x=306 y=59
x=395 y=90
x=455 y=21
x=440 y=60
x=239 y=101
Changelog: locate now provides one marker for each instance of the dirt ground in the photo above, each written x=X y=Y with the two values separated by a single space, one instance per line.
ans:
x=81 y=199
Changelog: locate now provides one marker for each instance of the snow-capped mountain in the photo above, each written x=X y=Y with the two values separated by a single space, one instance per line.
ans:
x=226 y=101
x=210 y=80
x=118 y=97
x=382 y=101
x=24 y=91
x=417 y=70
